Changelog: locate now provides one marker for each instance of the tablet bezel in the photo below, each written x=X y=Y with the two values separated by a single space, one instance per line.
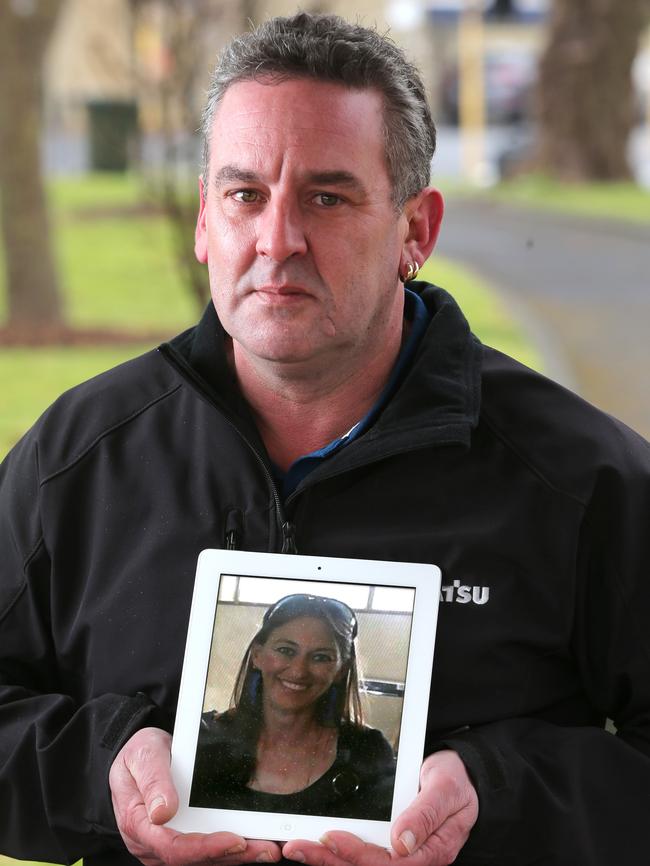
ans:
x=212 y=564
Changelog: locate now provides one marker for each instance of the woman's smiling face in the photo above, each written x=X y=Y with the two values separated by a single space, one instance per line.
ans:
x=299 y=662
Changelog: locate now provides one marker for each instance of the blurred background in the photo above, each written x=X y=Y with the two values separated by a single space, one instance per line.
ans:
x=539 y=103
x=123 y=80
x=543 y=113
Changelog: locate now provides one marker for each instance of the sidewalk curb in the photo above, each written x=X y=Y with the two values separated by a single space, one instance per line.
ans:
x=555 y=363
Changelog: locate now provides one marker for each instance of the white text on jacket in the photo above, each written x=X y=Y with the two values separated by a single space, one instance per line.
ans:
x=463 y=594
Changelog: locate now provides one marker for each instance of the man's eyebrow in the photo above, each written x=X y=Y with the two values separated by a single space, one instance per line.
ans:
x=230 y=173
x=337 y=178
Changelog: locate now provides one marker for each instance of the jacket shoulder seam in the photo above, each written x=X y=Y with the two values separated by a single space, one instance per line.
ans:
x=23 y=584
x=108 y=431
x=526 y=460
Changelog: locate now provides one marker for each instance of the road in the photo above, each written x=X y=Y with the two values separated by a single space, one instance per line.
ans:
x=586 y=283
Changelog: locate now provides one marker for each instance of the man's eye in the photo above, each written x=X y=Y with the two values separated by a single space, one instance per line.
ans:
x=327 y=199
x=247 y=196
x=323 y=657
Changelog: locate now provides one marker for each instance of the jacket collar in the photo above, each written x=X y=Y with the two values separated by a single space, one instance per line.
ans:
x=438 y=400
x=442 y=390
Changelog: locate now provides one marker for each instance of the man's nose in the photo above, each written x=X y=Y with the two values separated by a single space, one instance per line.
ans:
x=281 y=232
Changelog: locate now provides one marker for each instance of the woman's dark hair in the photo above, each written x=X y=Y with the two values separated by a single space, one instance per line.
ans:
x=341 y=702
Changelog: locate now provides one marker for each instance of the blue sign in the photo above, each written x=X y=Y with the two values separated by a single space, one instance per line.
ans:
x=511 y=10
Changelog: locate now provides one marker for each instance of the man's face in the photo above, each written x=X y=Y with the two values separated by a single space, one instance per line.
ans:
x=297 y=224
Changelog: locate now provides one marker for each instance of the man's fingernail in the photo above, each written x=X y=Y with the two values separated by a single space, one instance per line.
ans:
x=236 y=849
x=408 y=841
x=265 y=857
x=156 y=803
x=298 y=856
x=328 y=843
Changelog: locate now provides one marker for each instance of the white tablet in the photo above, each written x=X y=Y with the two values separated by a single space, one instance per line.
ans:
x=304 y=695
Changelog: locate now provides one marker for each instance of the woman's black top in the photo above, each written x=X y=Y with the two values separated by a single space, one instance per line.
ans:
x=359 y=784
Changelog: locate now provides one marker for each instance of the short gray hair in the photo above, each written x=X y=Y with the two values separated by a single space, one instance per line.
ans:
x=328 y=48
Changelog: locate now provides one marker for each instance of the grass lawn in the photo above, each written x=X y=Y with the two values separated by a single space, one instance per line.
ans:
x=8 y=861
x=118 y=270
x=117 y=265
x=487 y=313
x=624 y=201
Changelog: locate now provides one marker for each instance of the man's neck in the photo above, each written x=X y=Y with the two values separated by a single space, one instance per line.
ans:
x=298 y=411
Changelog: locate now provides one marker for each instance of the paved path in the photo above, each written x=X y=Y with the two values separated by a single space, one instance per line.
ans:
x=587 y=283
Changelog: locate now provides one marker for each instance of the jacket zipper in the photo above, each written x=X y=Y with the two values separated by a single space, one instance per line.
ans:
x=287 y=528
x=289 y=538
x=233 y=532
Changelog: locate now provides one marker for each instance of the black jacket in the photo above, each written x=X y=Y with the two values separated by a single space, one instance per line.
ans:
x=534 y=504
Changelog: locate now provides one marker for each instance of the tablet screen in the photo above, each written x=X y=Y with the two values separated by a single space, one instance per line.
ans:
x=304 y=695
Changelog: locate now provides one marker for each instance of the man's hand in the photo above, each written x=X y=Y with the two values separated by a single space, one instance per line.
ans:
x=144 y=798
x=431 y=832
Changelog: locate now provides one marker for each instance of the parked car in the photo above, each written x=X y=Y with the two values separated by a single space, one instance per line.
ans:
x=509 y=77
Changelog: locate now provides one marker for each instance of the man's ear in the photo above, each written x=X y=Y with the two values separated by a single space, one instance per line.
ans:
x=201 y=233
x=423 y=213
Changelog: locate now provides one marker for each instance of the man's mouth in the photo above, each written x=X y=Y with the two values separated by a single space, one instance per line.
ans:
x=282 y=291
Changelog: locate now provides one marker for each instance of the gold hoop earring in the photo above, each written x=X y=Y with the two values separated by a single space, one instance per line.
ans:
x=412 y=270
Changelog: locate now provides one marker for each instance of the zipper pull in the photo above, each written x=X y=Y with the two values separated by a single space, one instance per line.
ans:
x=233 y=531
x=288 y=538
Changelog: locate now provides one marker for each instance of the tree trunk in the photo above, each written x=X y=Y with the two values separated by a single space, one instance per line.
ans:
x=585 y=97
x=33 y=289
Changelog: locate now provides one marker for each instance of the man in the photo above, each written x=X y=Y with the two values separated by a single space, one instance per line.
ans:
x=422 y=445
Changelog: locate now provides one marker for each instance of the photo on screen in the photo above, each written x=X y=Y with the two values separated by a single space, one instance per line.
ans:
x=328 y=656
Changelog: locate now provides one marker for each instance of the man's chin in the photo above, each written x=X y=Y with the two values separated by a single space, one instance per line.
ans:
x=285 y=351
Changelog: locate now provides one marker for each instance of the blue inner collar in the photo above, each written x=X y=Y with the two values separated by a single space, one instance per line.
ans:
x=416 y=313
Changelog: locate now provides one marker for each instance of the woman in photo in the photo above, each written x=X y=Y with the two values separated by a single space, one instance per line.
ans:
x=294 y=739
